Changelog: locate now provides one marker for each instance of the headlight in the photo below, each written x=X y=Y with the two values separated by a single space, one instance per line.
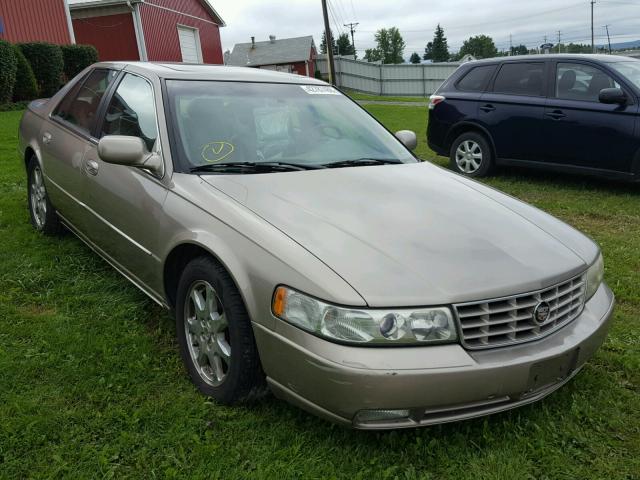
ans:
x=594 y=277
x=364 y=326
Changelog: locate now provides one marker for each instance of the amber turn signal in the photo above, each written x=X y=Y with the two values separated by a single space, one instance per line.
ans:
x=279 y=301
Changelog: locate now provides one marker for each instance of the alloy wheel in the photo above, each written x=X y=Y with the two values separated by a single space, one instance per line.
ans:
x=207 y=333
x=38 y=198
x=469 y=156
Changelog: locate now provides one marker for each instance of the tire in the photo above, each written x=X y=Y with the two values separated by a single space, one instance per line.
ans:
x=228 y=367
x=43 y=216
x=471 y=155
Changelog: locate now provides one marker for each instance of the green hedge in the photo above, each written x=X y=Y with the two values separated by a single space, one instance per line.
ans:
x=8 y=67
x=26 y=87
x=77 y=58
x=47 y=63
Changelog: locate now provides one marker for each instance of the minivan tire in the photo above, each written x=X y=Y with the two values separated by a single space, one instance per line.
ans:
x=41 y=212
x=243 y=379
x=464 y=152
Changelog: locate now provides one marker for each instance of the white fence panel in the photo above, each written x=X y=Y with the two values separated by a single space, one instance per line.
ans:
x=399 y=80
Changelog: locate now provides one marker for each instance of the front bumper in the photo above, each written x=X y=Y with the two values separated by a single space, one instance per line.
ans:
x=436 y=384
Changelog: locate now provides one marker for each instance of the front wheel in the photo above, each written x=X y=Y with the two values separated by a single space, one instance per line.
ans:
x=215 y=334
x=43 y=216
x=471 y=155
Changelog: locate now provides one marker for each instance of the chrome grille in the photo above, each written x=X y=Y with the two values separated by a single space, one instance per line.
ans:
x=509 y=320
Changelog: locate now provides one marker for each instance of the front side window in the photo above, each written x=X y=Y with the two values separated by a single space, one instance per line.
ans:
x=80 y=105
x=310 y=126
x=629 y=69
x=476 y=79
x=520 y=79
x=132 y=111
x=576 y=81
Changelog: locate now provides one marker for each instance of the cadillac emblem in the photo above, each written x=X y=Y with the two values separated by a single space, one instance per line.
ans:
x=541 y=313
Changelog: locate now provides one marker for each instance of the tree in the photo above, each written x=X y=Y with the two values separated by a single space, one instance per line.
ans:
x=480 y=46
x=372 y=55
x=390 y=45
x=437 y=50
x=415 y=58
x=519 y=50
x=323 y=43
x=344 y=45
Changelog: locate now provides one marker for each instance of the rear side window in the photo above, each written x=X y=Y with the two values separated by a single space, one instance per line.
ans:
x=520 y=79
x=80 y=105
x=476 y=79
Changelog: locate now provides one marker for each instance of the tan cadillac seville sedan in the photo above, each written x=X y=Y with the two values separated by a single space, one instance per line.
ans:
x=303 y=247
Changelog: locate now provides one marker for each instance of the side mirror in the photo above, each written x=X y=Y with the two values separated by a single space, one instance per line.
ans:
x=130 y=151
x=612 y=96
x=408 y=138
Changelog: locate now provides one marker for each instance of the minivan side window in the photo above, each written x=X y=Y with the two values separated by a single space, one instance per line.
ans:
x=577 y=81
x=80 y=105
x=520 y=79
x=476 y=79
x=132 y=111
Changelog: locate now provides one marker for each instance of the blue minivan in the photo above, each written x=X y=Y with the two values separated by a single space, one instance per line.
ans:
x=573 y=113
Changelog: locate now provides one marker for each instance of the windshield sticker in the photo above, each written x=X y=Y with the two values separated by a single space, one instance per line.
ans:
x=215 y=152
x=319 y=90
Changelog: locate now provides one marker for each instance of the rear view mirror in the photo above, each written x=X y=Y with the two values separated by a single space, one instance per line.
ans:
x=408 y=138
x=130 y=151
x=613 y=96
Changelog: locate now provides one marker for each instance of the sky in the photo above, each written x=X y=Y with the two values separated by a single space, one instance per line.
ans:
x=527 y=22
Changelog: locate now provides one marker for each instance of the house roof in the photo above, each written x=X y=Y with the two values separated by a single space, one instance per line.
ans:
x=83 y=4
x=284 y=50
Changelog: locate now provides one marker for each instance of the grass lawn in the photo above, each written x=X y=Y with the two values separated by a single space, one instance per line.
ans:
x=365 y=96
x=91 y=384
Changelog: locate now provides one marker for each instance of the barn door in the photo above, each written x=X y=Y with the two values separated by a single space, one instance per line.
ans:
x=190 y=45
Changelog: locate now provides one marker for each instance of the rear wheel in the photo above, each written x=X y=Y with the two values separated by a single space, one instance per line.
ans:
x=471 y=155
x=215 y=334
x=42 y=213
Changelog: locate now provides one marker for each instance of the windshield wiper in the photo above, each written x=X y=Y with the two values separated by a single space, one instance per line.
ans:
x=252 y=167
x=362 y=162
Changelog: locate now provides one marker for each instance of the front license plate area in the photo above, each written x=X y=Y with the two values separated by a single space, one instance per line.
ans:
x=552 y=370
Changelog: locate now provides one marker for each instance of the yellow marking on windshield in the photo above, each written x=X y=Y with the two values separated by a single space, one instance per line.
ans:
x=215 y=152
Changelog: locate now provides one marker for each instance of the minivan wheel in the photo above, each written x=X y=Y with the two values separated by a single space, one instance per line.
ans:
x=471 y=155
x=215 y=334
x=43 y=216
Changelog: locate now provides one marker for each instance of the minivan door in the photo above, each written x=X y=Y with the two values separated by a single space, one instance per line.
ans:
x=581 y=131
x=512 y=110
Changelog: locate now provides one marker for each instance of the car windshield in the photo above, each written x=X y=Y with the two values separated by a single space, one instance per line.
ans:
x=311 y=126
x=630 y=70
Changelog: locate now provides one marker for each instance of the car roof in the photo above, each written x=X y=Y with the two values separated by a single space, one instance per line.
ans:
x=186 y=71
x=557 y=56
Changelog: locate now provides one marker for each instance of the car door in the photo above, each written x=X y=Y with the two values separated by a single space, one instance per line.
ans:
x=581 y=131
x=66 y=136
x=126 y=202
x=513 y=109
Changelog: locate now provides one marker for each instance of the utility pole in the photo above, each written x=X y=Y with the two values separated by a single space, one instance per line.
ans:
x=608 y=38
x=510 y=44
x=329 y=39
x=593 y=43
x=352 y=26
x=559 y=40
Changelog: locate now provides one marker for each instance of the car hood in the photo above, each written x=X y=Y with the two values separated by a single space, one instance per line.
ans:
x=414 y=234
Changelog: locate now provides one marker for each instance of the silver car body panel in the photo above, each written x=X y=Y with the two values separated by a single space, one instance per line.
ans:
x=379 y=236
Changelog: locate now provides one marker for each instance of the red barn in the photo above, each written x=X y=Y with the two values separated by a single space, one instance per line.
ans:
x=153 y=30
x=35 y=20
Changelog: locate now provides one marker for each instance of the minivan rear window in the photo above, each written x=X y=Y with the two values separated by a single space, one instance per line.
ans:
x=520 y=79
x=476 y=79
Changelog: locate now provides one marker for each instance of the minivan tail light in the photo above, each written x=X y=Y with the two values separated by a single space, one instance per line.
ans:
x=435 y=100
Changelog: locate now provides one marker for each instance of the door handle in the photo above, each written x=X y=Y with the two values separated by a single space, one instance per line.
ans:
x=556 y=115
x=46 y=138
x=92 y=167
x=487 y=108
